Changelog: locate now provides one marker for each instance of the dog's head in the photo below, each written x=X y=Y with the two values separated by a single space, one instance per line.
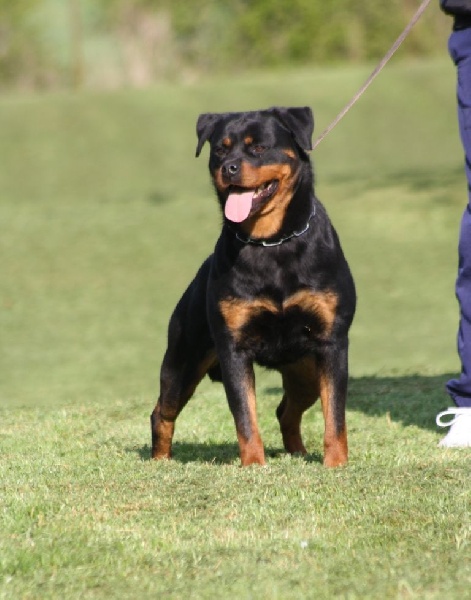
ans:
x=256 y=159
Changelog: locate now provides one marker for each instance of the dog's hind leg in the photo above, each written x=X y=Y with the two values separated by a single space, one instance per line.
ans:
x=300 y=382
x=177 y=385
x=188 y=357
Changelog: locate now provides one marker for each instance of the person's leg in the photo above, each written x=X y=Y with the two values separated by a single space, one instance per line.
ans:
x=459 y=389
x=460 y=50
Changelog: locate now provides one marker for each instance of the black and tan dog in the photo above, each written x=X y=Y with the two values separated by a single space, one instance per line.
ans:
x=277 y=291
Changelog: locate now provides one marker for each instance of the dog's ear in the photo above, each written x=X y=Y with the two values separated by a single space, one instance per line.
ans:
x=300 y=122
x=204 y=129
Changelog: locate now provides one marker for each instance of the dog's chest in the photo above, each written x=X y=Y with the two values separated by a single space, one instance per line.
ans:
x=275 y=333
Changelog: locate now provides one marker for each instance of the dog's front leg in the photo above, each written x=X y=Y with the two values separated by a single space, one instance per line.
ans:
x=333 y=381
x=239 y=383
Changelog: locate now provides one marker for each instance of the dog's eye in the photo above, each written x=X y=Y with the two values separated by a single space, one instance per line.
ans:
x=258 y=149
x=220 y=151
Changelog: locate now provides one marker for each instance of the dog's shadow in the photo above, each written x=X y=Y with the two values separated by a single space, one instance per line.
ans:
x=409 y=400
x=214 y=453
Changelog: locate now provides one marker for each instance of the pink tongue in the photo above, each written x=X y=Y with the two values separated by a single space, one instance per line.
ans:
x=238 y=206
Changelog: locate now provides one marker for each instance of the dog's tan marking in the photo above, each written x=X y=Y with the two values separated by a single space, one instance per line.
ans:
x=237 y=312
x=335 y=442
x=322 y=304
x=227 y=142
x=251 y=449
x=268 y=220
x=163 y=430
x=248 y=140
x=289 y=152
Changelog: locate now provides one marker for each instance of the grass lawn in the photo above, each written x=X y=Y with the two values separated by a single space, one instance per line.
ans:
x=104 y=217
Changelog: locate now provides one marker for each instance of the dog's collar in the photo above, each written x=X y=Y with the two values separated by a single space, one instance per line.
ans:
x=267 y=244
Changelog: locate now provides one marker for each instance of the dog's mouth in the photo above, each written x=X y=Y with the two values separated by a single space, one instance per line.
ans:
x=241 y=202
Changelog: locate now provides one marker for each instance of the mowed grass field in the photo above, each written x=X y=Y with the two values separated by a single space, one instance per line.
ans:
x=105 y=215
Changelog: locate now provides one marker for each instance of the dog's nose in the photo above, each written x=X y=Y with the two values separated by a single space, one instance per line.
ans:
x=230 y=169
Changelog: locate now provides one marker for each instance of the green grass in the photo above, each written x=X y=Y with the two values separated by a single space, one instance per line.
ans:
x=104 y=217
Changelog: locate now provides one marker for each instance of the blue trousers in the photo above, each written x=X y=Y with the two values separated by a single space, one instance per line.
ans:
x=460 y=51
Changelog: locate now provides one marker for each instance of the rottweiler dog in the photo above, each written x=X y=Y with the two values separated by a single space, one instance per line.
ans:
x=277 y=291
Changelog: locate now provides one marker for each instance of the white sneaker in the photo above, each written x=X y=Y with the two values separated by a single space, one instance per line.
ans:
x=459 y=435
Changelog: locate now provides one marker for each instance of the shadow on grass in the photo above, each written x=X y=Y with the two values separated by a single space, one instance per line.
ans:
x=186 y=452
x=215 y=453
x=410 y=400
